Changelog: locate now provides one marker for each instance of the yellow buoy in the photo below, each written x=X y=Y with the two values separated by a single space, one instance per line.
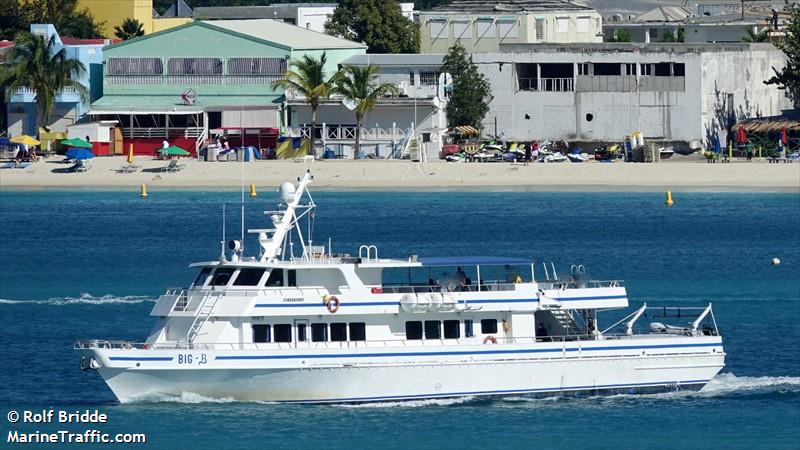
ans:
x=143 y=191
x=669 y=198
x=253 y=192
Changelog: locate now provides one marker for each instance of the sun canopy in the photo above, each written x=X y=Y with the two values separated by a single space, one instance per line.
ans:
x=76 y=143
x=25 y=140
x=79 y=153
x=173 y=150
x=473 y=261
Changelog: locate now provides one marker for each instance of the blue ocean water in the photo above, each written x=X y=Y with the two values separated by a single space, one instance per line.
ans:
x=86 y=264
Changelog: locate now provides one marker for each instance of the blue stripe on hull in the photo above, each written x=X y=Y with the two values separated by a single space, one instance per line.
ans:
x=665 y=384
x=461 y=353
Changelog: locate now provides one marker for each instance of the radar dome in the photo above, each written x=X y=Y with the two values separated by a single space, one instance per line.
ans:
x=287 y=191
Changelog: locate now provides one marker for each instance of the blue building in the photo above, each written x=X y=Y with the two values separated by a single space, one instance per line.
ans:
x=69 y=107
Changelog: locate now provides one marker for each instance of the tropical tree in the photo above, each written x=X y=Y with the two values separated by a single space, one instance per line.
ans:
x=620 y=35
x=359 y=86
x=129 y=29
x=788 y=78
x=753 y=36
x=378 y=23
x=306 y=76
x=35 y=64
x=471 y=95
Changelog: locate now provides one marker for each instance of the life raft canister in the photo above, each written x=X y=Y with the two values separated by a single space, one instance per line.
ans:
x=331 y=302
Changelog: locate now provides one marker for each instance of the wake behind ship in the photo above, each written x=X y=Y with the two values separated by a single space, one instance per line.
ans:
x=322 y=327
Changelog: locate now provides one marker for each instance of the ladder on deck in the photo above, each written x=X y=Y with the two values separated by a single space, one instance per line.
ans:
x=566 y=321
x=203 y=313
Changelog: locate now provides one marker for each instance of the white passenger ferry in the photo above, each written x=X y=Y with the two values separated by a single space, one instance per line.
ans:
x=321 y=327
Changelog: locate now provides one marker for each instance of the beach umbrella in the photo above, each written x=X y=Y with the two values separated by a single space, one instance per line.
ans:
x=784 y=137
x=741 y=136
x=76 y=143
x=24 y=139
x=173 y=151
x=79 y=153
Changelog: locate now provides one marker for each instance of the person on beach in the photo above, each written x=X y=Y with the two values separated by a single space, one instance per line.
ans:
x=774 y=19
x=527 y=153
x=535 y=151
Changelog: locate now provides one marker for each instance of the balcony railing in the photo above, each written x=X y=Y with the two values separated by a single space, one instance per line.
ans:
x=547 y=84
x=348 y=133
x=28 y=91
x=223 y=80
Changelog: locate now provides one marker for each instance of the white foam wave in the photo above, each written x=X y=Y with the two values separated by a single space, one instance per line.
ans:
x=189 y=398
x=726 y=383
x=412 y=403
x=83 y=299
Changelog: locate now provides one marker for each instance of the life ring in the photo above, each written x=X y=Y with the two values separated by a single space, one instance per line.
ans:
x=491 y=339
x=332 y=303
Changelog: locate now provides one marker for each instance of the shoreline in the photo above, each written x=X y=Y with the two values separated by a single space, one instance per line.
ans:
x=688 y=174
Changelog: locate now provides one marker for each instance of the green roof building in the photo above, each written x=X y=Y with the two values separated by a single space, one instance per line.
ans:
x=181 y=83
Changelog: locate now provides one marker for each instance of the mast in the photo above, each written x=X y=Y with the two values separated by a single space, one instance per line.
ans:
x=282 y=220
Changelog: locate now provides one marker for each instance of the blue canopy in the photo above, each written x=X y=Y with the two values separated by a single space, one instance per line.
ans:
x=473 y=261
x=79 y=153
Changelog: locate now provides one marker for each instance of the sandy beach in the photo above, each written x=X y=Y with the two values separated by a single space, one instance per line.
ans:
x=685 y=174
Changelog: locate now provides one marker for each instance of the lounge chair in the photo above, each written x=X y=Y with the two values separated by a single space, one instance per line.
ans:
x=173 y=166
x=79 y=166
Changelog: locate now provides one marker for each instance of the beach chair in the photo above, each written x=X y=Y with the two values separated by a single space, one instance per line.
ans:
x=173 y=166
x=79 y=166
x=128 y=168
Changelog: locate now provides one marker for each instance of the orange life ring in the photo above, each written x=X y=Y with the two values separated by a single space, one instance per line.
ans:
x=332 y=303
x=491 y=339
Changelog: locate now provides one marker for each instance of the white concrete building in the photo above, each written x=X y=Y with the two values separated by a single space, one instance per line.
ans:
x=675 y=93
x=483 y=26
x=389 y=129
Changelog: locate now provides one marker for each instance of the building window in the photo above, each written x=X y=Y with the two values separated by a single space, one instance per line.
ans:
x=507 y=28
x=433 y=329
x=462 y=28
x=319 y=332
x=653 y=32
x=662 y=69
x=489 y=326
x=256 y=66
x=134 y=66
x=452 y=329
x=262 y=333
x=194 y=66
x=275 y=278
x=540 y=28
x=302 y=332
x=583 y=69
x=678 y=70
x=248 y=277
x=468 y=329
x=338 y=332
x=283 y=332
x=428 y=78
x=630 y=69
x=583 y=24
x=562 y=24
x=411 y=78
x=437 y=27
x=484 y=28
x=607 y=69
x=646 y=69
x=358 y=331
x=414 y=330
x=221 y=277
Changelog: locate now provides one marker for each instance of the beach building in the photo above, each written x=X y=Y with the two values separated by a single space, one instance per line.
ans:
x=111 y=13
x=483 y=26
x=189 y=82
x=391 y=128
x=69 y=106
x=307 y=15
x=680 y=94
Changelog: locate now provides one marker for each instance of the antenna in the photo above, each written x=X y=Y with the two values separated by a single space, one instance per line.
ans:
x=222 y=242
x=244 y=153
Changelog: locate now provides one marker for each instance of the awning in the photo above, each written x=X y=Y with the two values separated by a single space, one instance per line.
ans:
x=473 y=261
x=466 y=129
x=767 y=125
x=169 y=104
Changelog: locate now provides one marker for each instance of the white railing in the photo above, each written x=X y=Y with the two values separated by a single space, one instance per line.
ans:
x=546 y=84
x=191 y=79
x=348 y=133
x=28 y=91
x=163 y=132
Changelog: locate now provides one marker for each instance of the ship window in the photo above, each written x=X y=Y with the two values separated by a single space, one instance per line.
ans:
x=292 y=278
x=338 y=332
x=452 y=329
x=489 y=326
x=414 y=330
x=261 y=333
x=468 y=328
x=283 y=332
x=319 y=332
x=275 y=278
x=358 y=331
x=302 y=334
x=433 y=329
x=202 y=277
x=248 y=277
x=221 y=277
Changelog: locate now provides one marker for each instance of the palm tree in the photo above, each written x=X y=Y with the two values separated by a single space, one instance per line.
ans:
x=35 y=64
x=306 y=76
x=359 y=86
x=752 y=36
x=129 y=29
